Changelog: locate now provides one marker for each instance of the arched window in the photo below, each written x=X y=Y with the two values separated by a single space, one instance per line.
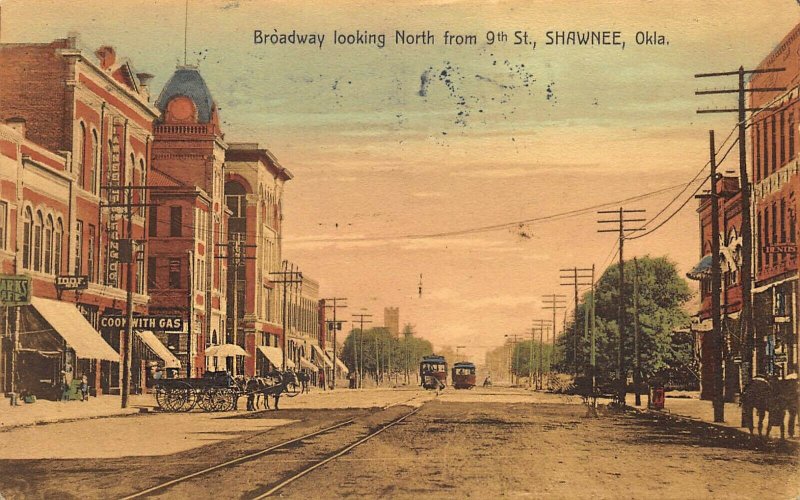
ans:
x=37 y=241
x=27 y=237
x=129 y=170
x=142 y=181
x=109 y=160
x=48 y=245
x=58 y=237
x=80 y=155
x=95 y=164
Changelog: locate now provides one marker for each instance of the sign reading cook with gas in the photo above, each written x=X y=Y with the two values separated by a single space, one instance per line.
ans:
x=163 y=323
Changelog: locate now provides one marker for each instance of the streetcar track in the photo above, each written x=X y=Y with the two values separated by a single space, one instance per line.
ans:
x=234 y=461
x=285 y=444
x=294 y=477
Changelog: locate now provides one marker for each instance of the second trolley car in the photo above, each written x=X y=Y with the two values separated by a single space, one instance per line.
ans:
x=463 y=376
x=433 y=372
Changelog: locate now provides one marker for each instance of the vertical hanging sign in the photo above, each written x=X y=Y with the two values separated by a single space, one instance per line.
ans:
x=114 y=215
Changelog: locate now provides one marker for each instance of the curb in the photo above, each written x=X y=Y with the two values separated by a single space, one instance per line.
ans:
x=133 y=412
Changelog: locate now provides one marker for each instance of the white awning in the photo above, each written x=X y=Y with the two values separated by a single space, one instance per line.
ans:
x=342 y=366
x=308 y=365
x=79 y=334
x=321 y=356
x=273 y=354
x=225 y=351
x=159 y=349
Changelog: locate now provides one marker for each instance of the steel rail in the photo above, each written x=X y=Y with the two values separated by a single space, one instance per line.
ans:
x=234 y=461
x=333 y=457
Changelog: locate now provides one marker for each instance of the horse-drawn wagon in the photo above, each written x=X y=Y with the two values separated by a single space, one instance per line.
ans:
x=215 y=391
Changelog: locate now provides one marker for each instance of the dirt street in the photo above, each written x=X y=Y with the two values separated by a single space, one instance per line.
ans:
x=480 y=444
x=454 y=447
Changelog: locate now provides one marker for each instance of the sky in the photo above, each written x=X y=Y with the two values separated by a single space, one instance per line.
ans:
x=400 y=152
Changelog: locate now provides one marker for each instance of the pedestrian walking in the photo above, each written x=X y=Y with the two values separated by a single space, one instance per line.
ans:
x=322 y=379
x=303 y=376
x=65 y=384
x=251 y=387
x=84 y=388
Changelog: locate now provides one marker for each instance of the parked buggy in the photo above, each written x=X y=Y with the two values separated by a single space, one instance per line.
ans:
x=214 y=391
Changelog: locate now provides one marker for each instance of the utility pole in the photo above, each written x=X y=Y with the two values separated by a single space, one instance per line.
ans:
x=592 y=355
x=126 y=256
x=530 y=358
x=335 y=306
x=748 y=325
x=286 y=278
x=622 y=372
x=361 y=321
x=577 y=278
x=716 y=288
x=553 y=302
x=515 y=358
x=637 y=342
x=541 y=326
x=236 y=255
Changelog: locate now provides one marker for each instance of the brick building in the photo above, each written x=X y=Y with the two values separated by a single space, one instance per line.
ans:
x=187 y=224
x=254 y=183
x=730 y=224
x=774 y=139
x=85 y=132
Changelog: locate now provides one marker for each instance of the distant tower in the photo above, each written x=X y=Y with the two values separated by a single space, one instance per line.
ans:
x=391 y=320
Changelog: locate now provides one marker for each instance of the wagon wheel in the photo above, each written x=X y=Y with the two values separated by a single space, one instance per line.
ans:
x=161 y=397
x=182 y=397
x=171 y=398
x=222 y=399
x=227 y=398
x=206 y=399
x=191 y=399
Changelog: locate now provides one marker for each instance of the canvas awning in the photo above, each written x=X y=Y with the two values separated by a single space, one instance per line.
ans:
x=78 y=333
x=307 y=365
x=225 y=351
x=320 y=355
x=342 y=367
x=701 y=270
x=273 y=354
x=159 y=349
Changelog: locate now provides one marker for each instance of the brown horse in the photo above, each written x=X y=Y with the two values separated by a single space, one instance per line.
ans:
x=784 y=400
x=774 y=396
x=756 y=396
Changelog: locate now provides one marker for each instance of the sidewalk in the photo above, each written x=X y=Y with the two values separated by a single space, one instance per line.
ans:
x=689 y=405
x=42 y=411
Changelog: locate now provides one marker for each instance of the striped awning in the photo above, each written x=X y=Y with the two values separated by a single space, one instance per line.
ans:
x=701 y=270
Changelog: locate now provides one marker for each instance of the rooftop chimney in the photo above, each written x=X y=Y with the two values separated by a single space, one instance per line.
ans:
x=144 y=83
x=106 y=55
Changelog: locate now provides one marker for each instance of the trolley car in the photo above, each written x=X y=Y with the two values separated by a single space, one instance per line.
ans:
x=433 y=372
x=463 y=375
